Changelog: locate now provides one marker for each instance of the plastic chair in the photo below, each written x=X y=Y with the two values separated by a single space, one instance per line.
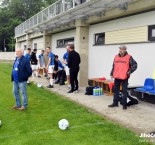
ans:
x=148 y=86
x=152 y=92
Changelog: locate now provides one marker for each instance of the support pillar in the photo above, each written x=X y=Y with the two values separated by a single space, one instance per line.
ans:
x=81 y=46
x=47 y=40
x=28 y=42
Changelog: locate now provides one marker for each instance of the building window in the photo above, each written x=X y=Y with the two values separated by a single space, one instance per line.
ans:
x=100 y=39
x=61 y=43
x=151 y=33
x=25 y=47
x=35 y=45
x=78 y=2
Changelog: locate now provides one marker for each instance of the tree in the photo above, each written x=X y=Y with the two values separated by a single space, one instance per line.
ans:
x=13 y=13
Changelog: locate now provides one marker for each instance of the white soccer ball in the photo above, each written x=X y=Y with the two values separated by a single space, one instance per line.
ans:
x=0 y=122
x=39 y=85
x=63 y=124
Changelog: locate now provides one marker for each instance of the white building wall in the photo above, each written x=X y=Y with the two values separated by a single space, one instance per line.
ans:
x=39 y=42
x=22 y=44
x=101 y=57
x=60 y=51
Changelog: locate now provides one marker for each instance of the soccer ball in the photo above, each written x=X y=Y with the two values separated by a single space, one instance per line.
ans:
x=39 y=85
x=63 y=124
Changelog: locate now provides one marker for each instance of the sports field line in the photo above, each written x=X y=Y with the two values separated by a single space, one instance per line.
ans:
x=49 y=131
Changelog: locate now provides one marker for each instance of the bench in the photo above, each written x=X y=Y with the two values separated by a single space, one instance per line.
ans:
x=104 y=84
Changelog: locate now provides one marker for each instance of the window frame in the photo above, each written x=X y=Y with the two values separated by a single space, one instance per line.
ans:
x=96 y=39
x=35 y=45
x=63 y=41
x=150 y=29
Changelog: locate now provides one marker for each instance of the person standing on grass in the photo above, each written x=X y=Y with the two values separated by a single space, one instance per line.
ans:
x=50 y=67
x=123 y=66
x=20 y=73
x=65 y=61
x=73 y=63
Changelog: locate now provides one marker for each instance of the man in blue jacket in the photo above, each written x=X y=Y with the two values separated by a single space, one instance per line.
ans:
x=20 y=73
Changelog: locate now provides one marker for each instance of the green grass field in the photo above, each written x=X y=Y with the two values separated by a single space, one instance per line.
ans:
x=38 y=125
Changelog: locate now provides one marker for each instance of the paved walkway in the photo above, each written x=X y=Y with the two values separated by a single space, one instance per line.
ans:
x=139 y=118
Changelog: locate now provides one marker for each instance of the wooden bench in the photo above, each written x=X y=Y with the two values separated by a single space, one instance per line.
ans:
x=104 y=84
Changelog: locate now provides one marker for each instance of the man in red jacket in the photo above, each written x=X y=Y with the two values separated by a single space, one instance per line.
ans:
x=123 y=66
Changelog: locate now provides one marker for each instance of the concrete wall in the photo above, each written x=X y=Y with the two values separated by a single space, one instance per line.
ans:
x=101 y=57
x=7 y=55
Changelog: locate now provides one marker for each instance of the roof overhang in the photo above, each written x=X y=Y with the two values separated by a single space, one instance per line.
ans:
x=83 y=11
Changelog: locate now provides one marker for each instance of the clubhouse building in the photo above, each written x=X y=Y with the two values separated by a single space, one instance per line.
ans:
x=97 y=28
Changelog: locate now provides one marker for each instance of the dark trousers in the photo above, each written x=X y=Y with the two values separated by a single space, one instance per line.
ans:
x=61 y=75
x=74 y=79
x=117 y=84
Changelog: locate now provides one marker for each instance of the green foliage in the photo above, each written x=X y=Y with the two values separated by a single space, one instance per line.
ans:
x=13 y=13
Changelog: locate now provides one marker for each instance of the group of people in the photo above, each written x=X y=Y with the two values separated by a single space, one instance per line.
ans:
x=123 y=66
x=28 y=65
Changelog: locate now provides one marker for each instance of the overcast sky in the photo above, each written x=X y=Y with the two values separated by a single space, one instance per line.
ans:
x=1 y=1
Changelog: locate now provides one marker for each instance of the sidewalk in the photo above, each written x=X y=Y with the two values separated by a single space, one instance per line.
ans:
x=139 y=118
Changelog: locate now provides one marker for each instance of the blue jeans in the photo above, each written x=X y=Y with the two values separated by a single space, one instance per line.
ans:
x=22 y=87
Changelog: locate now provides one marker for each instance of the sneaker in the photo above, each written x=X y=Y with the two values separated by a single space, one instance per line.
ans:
x=22 y=108
x=45 y=75
x=70 y=91
x=50 y=86
x=76 y=91
x=48 y=78
x=15 y=107
x=57 y=82
x=113 y=105
x=69 y=87
x=61 y=83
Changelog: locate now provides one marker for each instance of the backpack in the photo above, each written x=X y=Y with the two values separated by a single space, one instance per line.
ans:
x=132 y=100
x=89 y=90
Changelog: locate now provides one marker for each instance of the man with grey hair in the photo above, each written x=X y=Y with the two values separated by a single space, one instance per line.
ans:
x=20 y=72
x=123 y=66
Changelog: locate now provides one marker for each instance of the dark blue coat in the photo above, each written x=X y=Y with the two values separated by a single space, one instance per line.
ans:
x=24 y=70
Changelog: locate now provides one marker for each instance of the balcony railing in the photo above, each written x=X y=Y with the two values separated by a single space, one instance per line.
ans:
x=53 y=10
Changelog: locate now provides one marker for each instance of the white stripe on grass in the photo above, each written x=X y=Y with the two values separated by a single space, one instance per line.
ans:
x=48 y=131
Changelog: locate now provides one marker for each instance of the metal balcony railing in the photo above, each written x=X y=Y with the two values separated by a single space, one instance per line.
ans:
x=57 y=8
